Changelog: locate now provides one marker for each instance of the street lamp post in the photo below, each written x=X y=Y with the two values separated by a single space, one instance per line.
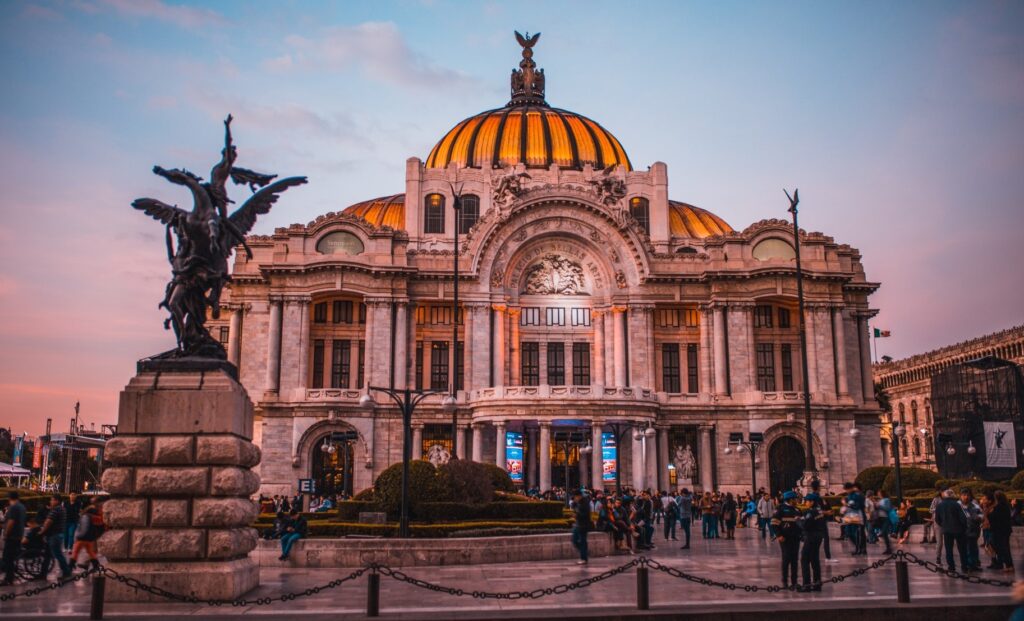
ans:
x=406 y=399
x=754 y=441
x=454 y=356
x=899 y=431
x=808 y=434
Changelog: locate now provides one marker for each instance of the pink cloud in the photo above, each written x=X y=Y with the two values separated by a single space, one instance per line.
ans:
x=184 y=16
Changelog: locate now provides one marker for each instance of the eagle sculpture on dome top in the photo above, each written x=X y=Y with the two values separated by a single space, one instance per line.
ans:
x=527 y=81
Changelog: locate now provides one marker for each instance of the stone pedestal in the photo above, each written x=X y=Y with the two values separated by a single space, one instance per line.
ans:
x=180 y=483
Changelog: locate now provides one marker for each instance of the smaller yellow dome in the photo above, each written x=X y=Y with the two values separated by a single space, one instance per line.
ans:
x=685 y=220
x=383 y=211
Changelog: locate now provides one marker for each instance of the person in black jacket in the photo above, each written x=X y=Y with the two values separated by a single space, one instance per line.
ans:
x=1001 y=524
x=787 y=533
x=949 y=515
x=583 y=525
x=815 y=530
x=296 y=529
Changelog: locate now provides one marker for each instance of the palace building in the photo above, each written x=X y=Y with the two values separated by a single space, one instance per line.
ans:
x=604 y=330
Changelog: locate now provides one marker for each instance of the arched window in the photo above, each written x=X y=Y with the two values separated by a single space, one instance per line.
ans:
x=469 y=212
x=906 y=447
x=927 y=414
x=640 y=209
x=686 y=250
x=433 y=213
x=917 y=446
x=340 y=242
x=903 y=414
x=773 y=248
x=913 y=413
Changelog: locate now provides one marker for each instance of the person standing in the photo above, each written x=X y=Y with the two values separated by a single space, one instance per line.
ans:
x=765 y=511
x=72 y=507
x=952 y=523
x=815 y=531
x=729 y=510
x=685 y=503
x=787 y=533
x=671 y=512
x=1001 y=524
x=583 y=525
x=90 y=527
x=13 y=531
x=53 y=533
x=974 y=518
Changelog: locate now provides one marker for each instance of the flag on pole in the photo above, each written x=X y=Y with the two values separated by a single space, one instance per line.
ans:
x=881 y=334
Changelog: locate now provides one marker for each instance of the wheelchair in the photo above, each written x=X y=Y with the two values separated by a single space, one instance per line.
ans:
x=30 y=563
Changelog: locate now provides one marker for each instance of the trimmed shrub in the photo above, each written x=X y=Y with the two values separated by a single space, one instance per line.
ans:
x=466 y=482
x=500 y=480
x=910 y=478
x=942 y=484
x=873 y=478
x=364 y=495
x=424 y=486
x=979 y=487
x=459 y=512
x=1017 y=482
x=510 y=497
x=492 y=528
x=349 y=510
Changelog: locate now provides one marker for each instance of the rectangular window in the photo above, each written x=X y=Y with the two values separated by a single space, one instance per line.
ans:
x=762 y=316
x=530 y=364
x=318 y=364
x=419 y=365
x=692 y=376
x=439 y=365
x=765 y=367
x=556 y=364
x=441 y=315
x=342 y=311
x=581 y=364
x=530 y=316
x=225 y=334
x=361 y=375
x=580 y=316
x=670 y=367
x=460 y=367
x=555 y=316
x=469 y=212
x=362 y=312
x=341 y=357
x=787 y=366
x=667 y=317
x=784 y=321
x=691 y=318
x=433 y=214
x=320 y=312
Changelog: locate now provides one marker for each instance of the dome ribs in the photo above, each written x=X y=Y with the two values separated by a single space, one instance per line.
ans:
x=572 y=140
x=549 y=152
x=498 y=139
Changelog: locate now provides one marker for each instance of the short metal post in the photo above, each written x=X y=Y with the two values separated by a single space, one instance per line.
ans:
x=99 y=586
x=373 y=595
x=643 y=593
x=902 y=583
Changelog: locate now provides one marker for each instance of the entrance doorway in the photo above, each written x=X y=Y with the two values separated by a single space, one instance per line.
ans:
x=786 y=463
x=332 y=463
x=565 y=458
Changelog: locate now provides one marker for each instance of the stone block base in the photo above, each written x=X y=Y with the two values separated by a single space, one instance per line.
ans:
x=225 y=580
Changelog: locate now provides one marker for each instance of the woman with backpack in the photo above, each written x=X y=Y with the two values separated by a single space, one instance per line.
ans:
x=90 y=527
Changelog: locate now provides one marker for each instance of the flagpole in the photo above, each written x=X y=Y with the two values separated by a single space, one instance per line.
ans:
x=874 y=340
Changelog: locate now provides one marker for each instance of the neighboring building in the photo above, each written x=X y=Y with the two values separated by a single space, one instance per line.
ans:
x=908 y=384
x=589 y=302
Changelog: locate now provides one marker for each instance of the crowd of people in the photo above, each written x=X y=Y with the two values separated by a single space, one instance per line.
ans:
x=57 y=534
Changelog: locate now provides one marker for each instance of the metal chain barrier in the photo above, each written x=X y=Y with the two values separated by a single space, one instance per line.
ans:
x=401 y=576
x=53 y=586
x=936 y=568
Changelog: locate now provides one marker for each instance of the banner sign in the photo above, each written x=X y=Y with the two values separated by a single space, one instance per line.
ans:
x=19 y=444
x=37 y=455
x=609 y=457
x=307 y=486
x=514 y=455
x=1000 y=445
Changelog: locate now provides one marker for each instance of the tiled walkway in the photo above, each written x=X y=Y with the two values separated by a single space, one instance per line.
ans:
x=746 y=560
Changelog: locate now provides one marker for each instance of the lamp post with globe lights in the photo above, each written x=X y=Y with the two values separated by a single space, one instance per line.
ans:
x=449 y=401
x=750 y=445
x=406 y=399
x=812 y=470
x=899 y=431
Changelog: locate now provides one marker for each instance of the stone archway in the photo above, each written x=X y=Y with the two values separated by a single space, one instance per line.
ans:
x=786 y=463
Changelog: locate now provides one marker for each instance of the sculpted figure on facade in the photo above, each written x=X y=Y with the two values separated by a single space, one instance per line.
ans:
x=438 y=455
x=554 y=274
x=609 y=189
x=686 y=464
x=508 y=189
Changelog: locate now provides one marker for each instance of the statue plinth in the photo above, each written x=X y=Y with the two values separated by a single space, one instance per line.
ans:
x=180 y=512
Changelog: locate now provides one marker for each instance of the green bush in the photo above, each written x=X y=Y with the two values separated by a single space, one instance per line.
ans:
x=349 y=510
x=500 y=480
x=364 y=495
x=510 y=497
x=460 y=512
x=943 y=484
x=873 y=478
x=910 y=478
x=485 y=528
x=424 y=486
x=1017 y=482
x=466 y=482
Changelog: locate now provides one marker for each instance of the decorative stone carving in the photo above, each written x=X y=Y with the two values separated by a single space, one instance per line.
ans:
x=686 y=464
x=620 y=280
x=609 y=189
x=438 y=455
x=508 y=189
x=554 y=274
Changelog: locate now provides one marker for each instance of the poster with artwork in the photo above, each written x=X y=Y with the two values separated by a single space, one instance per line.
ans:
x=1000 y=445
x=609 y=457
x=514 y=455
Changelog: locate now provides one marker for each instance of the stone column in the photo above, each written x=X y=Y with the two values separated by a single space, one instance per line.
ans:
x=649 y=334
x=460 y=444
x=478 y=442
x=480 y=364
x=597 y=368
x=274 y=347
x=294 y=318
x=369 y=344
x=499 y=444
x=663 y=458
x=721 y=377
x=235 y=337
x=812 y=358
x=417 y=440
x=545 y=457
x=639 y=464
x=707 y=479
x=514 y=367
x=596 y=462
x=468 y=325
x=840 y=351
x=867 y=379
x=410 y=350
x=705 y=368
x=378 y=369
x=532 y=453
x=499 y=345
x=619 y=345
x=180 y=481
x=304 y=319
x=748 y=313
x=401 y=362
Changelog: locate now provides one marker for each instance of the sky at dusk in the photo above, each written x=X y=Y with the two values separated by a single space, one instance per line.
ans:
x=901 y=123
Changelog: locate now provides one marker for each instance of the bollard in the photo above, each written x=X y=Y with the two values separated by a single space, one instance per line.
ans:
x=643 y=594
x=99 y=585
x=902 y=583
x=373 y=595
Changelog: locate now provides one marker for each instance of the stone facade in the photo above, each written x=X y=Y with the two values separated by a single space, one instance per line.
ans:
x=589 y=302
x=907 y=383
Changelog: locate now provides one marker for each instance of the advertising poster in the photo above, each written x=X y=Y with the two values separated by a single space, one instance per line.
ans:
x=514 y=455
x=19 y=444
x=609 y=457
x=37 y=456
x=1000 y=445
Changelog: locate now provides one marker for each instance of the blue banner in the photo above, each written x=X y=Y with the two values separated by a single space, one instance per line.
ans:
x=514 y=455
x=19 y=444
x=609 y=457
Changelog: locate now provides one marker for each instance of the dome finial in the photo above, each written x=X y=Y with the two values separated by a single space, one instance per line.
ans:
x=527 y=81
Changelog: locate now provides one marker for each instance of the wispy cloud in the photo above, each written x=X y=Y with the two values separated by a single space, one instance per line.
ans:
x=377 y=48
x=177 y=14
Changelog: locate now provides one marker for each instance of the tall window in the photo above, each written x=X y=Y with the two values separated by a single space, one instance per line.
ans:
x=580 y=316
x=361 y=371
x=439 y=365
x=362 y=312
x=555 y=316
x=556 y=364
x=917 y=446
x=766 y=367
x=676 y=317
x=787 y=367
x=530 y=363
x=913 y=413
x=433 y=213
x=320 y=312
x=469 y=212
x=530 y=316
x=342 y=311
x=640 y=209
x=460 y=367
x=318 y=363
x=903 y=414
x=784 y=317
x=762 y=316
x=693 y=385
x=670 y=367
x=419 y=365
x=341 y=367
x=581 y=364
x=906 y=447
x=225 y=334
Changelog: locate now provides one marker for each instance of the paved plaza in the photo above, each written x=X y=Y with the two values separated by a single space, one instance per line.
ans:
x=745 y=560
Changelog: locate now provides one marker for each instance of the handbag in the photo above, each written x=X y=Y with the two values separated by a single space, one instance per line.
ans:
x=853 y=518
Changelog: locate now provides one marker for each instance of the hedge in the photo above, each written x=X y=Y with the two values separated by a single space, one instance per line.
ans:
x=873 y=478
x=348 y=511
x=424 y=486
x=910 y=478
x=343 y=529
x=1017 y=482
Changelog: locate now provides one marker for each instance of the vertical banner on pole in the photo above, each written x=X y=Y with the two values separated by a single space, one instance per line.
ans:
x=609 y=457
x=514 y=455
x=19 y=445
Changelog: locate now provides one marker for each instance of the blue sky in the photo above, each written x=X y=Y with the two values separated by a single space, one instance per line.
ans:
x=902 y=124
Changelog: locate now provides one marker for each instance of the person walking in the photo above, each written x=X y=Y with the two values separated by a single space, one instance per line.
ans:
x=815 y=531
x=787 y=533
x=582 y=526
x=296 y=529
x=882 y=523
x=72 y=508
x=90 y=527
x=765 y=511
x=1001 y=524
x=952 y=523
x=729 y=510
x=53 y=533
x=685 y=503
x=13 y=531
x=671 y=512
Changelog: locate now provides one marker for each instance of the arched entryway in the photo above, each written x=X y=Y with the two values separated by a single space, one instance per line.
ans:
x=332 y=462
x=786 y=463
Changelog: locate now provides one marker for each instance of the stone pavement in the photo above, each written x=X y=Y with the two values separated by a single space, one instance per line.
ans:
x=746 y=560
